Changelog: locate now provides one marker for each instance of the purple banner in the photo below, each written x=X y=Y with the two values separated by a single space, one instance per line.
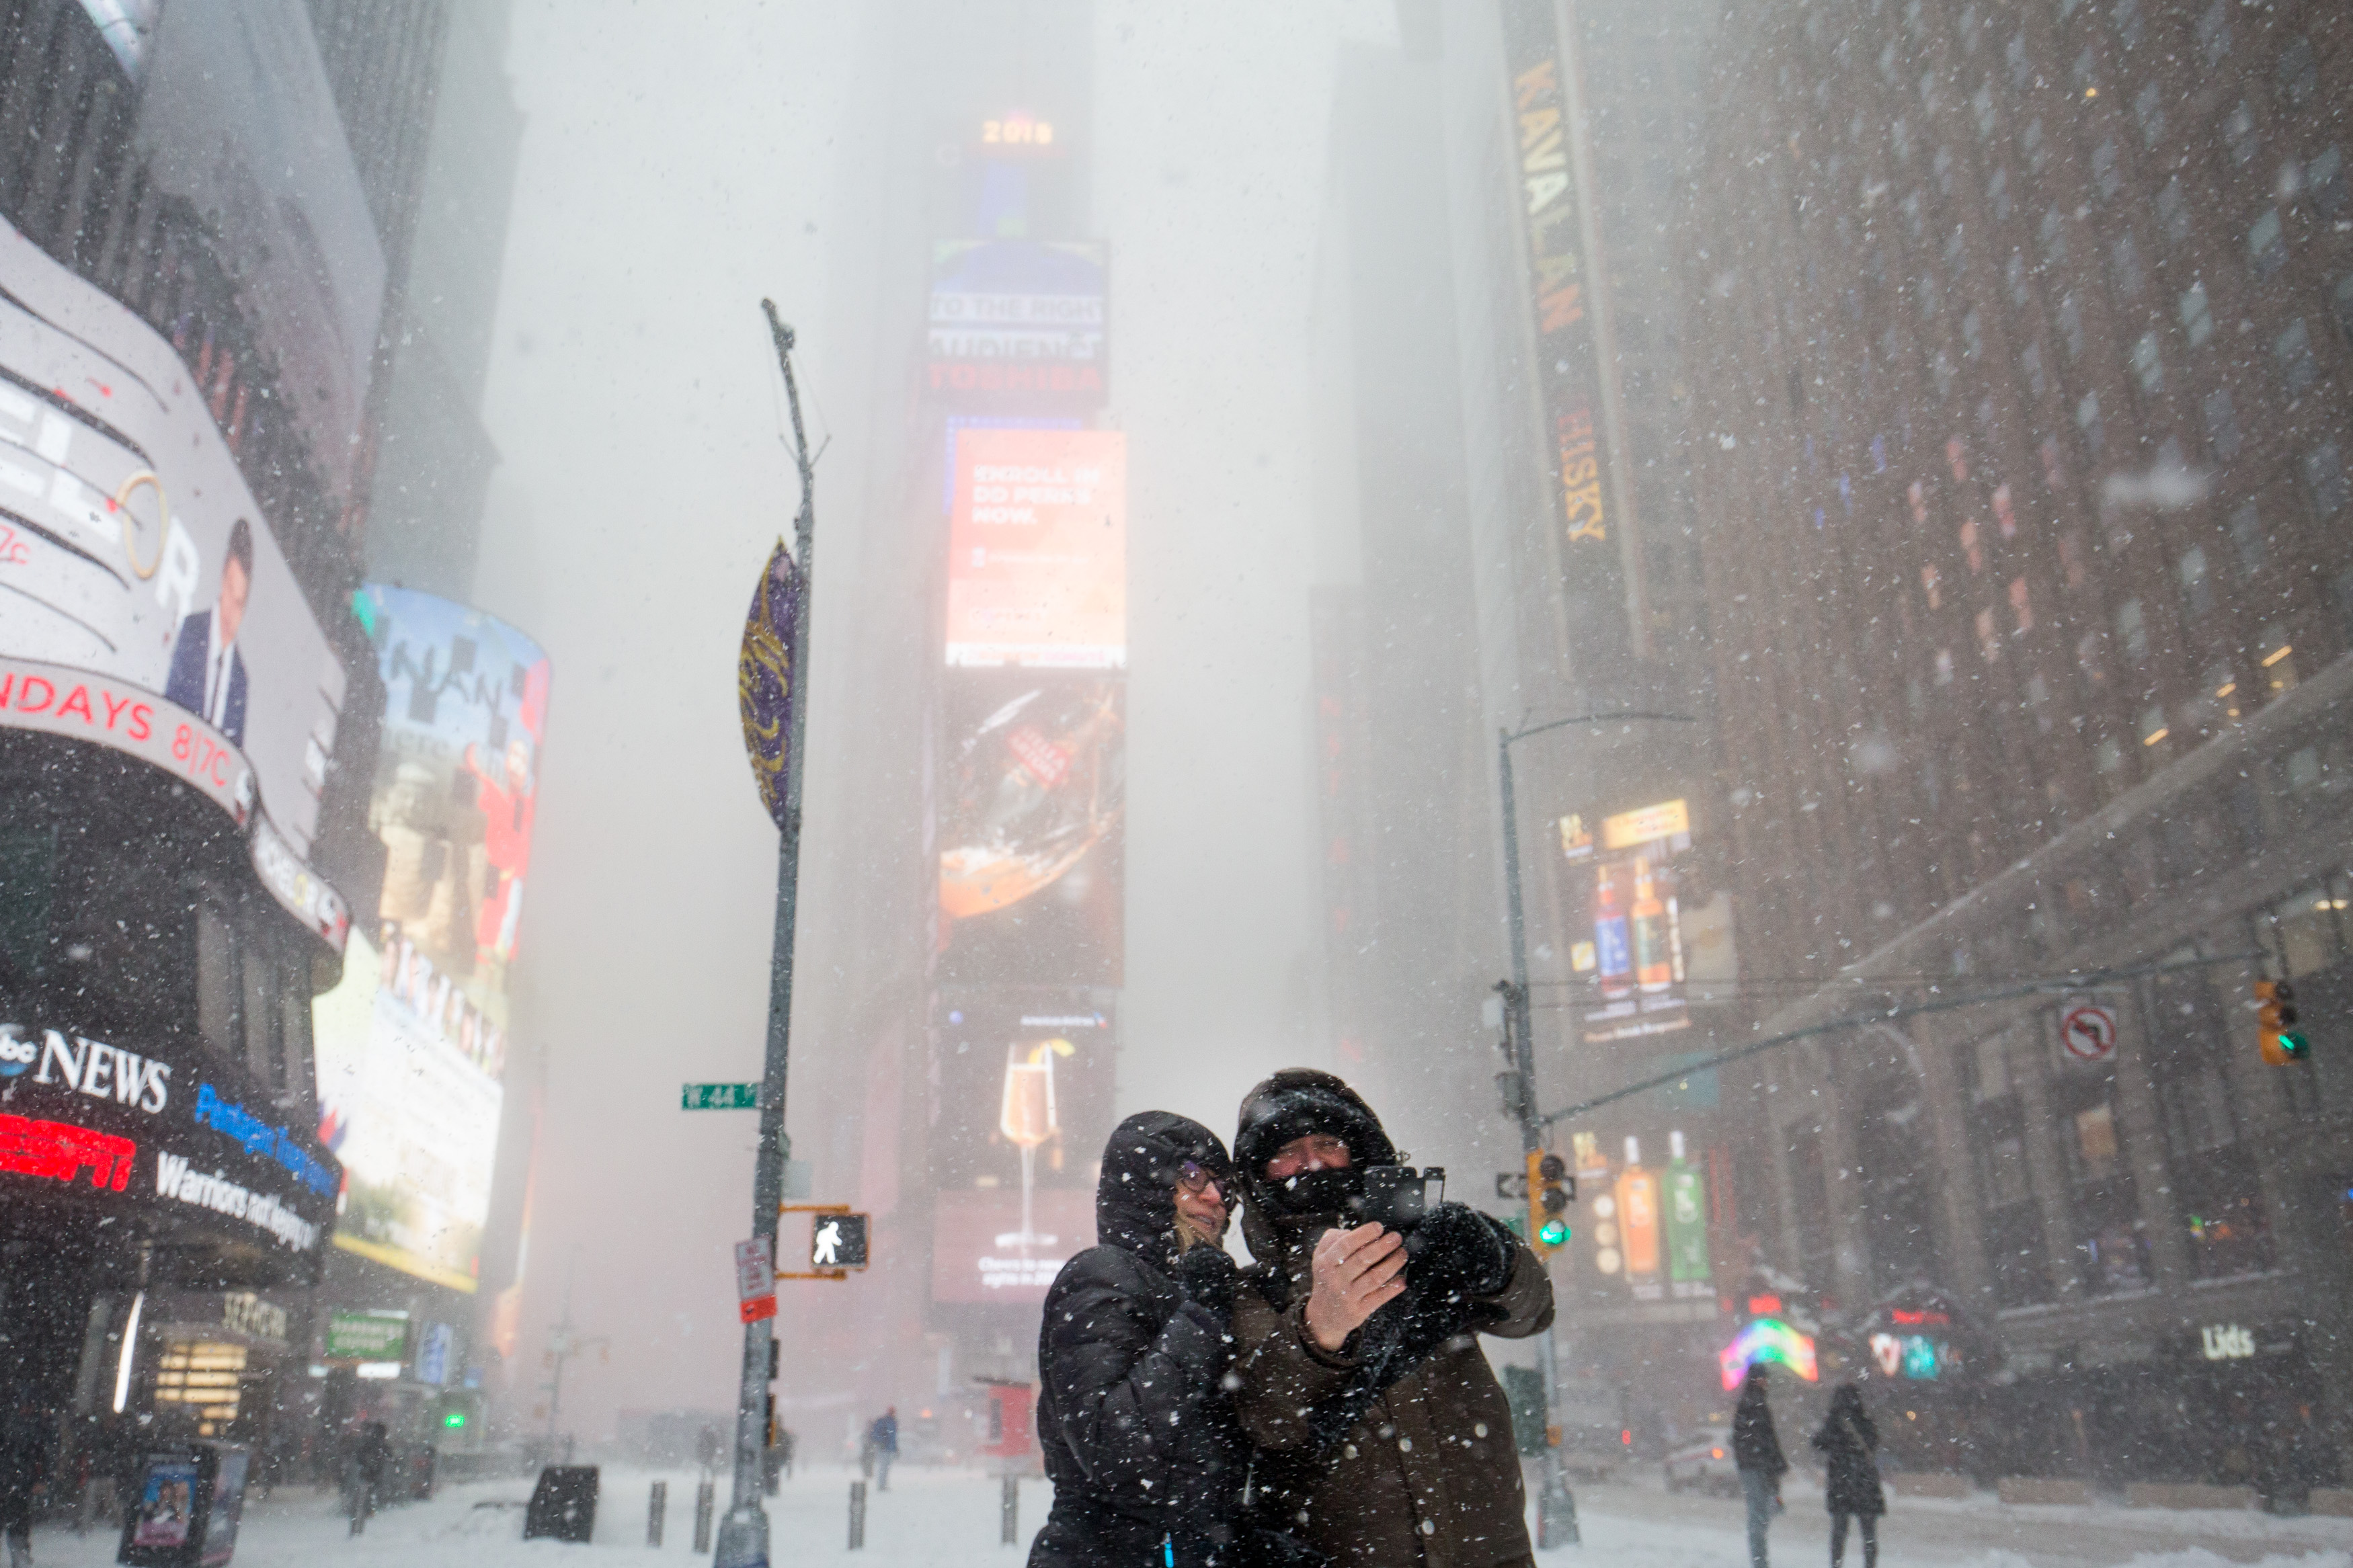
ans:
x=763 y=678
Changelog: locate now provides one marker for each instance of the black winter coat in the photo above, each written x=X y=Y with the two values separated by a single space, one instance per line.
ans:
x=1756 y=1445
x=1850 y=1441
x=1136 y=1417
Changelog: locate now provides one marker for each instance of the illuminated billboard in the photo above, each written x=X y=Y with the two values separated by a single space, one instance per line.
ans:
x=1031 y=862
x=412 y=1044
x=1016 y=320
x=1635 y=940
x=1038 y=550
x=1024 y=1080
x=149 y=608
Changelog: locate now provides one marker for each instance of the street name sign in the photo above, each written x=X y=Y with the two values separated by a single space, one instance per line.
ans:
x=719 y=1096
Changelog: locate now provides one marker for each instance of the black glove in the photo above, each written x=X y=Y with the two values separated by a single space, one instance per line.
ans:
x=1462 y=1250
x=1209 y=1277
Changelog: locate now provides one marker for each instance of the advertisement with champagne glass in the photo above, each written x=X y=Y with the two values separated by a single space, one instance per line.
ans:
x=1023 y=1103
x=1630 y=944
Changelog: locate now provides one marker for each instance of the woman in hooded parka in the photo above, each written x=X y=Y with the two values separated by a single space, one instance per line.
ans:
x=1851 y=1440
x=1135 y=1416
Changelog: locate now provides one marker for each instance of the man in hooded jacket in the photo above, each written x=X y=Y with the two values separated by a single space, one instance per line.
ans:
x=1134 y=1416
x=1384 y=1436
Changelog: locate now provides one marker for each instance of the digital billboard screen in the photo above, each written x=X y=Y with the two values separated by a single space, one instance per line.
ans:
x=1038 y=550
x=149 y=607
x=1628 y=918
x=1017 y=319
x=1032 y=888
x=412 y=1043
x=1023 y=1099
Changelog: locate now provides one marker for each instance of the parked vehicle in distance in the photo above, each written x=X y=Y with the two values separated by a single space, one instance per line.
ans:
x=1704 y=1463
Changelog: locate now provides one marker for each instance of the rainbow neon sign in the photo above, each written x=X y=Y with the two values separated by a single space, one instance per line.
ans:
x=1769 y=1338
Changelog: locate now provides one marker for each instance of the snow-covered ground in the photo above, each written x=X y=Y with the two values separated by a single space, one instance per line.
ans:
x=932 y=1518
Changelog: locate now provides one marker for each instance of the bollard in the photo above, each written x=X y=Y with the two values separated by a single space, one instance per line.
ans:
x=856 y=1515
x=1009 y=1513
x=656 y=1507
x=703 y=1510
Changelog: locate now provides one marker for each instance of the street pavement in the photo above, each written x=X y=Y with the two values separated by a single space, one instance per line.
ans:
x=932 y=1518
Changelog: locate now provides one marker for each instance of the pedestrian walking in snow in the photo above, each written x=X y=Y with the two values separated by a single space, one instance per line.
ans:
x=1757 y=1451
x=24 y=1467
x=1384 y=1437
x=1850 y=1441
x=1136 y=1417
x=882 y=1441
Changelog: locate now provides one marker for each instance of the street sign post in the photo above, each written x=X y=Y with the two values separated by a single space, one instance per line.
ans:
x=719 y=1096
x=755 y=1278
x=2088 y=1030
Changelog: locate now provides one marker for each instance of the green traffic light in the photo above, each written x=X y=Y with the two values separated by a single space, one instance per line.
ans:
x=455 y=1418
x=2294 y=1044
x=1554 y=1233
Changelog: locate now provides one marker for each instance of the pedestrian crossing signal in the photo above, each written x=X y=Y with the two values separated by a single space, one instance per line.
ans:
x=837 y=1241
x=2275 y=1018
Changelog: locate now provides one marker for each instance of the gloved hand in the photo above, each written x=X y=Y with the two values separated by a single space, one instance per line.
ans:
x=1209 y=1277
x=1462 y=1250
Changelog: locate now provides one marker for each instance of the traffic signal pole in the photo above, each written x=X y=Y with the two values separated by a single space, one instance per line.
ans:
x=1556 y=1504
x=743 y=1532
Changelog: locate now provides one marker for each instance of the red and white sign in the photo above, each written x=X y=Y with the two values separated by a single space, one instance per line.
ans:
x=2088 y=1030
x=755 y=1278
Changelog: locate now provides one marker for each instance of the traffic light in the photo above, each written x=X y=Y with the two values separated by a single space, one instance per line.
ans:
x=2275 y=1021
x=1550 y=1189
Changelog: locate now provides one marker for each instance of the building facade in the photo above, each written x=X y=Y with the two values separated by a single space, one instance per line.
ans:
x=2021 y=430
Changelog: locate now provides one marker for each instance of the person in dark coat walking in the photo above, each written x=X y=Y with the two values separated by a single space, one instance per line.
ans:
x=1135 y=1416
x=1851 y=1443
x=1757 y=1451
x=24 y=1468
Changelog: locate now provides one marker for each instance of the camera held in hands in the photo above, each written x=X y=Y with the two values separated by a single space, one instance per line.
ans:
x=1399 y=1198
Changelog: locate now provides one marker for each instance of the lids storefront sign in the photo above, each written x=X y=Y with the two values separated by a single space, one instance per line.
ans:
x=2226 y=1342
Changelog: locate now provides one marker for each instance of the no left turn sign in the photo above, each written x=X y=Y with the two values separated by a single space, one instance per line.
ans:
x=2088 y=1030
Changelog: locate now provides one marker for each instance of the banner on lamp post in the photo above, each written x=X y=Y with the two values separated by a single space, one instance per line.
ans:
x=763 y=678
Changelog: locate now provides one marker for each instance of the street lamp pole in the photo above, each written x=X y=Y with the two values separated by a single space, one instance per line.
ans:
x=1556 y=1504
x=743 y=1531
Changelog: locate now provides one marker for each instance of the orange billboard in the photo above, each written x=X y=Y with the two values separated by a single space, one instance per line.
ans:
x=1038 y=550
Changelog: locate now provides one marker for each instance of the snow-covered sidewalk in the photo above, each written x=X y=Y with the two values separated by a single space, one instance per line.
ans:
x=930 y=1519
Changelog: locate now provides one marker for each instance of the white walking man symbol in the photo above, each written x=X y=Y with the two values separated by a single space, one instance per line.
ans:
x=823 y=1252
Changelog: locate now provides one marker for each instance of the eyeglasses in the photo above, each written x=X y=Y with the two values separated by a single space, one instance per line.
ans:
x=1195 y=1178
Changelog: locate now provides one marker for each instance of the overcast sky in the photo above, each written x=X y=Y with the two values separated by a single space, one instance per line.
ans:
x=678 y=164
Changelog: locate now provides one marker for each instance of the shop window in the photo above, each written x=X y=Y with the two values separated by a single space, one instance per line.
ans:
x=1941 y=167
x=2087 y=420
x=2323 y=184
x=2013 y=272
x=2052 y=234
x=1981 y=109
x=2291 y=351
x=2132 y=630
x=1972 y=335
x=2324 y=477
x=2173 y=211
x=2299 y=73
x=2214 y=32
x=2021 y=608
x=2222 y=423
x=2197 y=317
x=2005 y=512
x=2037 y=155
x=2030 y=360
x=2197 y=582
x=1988 y=638
x=2238 y=135
x=2247 y=539
x=205 y=1380
x=2267 y=244
x=1930 y=585
x=2124 y=266
x=2148 y=114
x=2148 y=368
x=2071 y=326
x=1998 y=194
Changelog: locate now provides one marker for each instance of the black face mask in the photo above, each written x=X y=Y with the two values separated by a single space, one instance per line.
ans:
x=1328 y=1192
